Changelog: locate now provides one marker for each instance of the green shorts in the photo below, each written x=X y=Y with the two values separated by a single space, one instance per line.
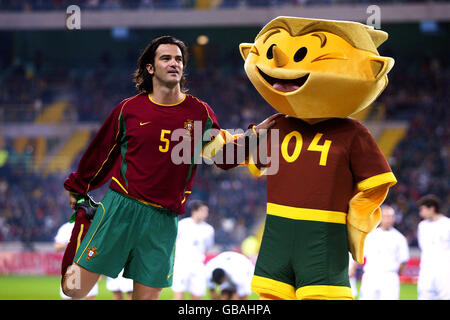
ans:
x=301 y=259
x=130 y=235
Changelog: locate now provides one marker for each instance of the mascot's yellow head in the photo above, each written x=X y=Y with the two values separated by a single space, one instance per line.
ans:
x=314 y=69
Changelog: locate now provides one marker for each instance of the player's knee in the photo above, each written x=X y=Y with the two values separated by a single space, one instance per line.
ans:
x=71 y=284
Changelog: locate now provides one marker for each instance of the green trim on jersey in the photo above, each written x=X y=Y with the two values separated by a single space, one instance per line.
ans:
x=123 y=148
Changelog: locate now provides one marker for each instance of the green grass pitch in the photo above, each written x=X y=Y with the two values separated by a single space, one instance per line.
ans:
x=47 y=288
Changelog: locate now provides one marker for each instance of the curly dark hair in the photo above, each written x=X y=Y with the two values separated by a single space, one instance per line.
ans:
x=194 y=205
x=430 y=200
x=142 y=78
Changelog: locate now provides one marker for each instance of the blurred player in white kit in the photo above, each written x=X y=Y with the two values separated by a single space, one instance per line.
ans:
x=195 y=237
x=60 y=243
x=120 y=286
x=386 y=251
x=233 y=273
x=352 y=267
x=434 y=242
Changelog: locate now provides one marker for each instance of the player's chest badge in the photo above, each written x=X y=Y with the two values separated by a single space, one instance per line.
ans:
x=92 y=252
x=189 y=126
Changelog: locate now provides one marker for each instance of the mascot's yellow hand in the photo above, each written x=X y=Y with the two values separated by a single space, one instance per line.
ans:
x=363 y=216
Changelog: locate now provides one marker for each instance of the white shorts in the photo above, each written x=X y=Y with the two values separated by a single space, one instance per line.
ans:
x=380 y=286
x=92 y=293
x=434 y=284
x=189 y=277
x=353 y=286
x=119 y=284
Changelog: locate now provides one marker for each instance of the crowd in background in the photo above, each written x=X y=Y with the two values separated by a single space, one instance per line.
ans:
x=33 y=206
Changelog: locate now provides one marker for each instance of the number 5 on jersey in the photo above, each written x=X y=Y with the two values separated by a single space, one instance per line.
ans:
x=166 y=141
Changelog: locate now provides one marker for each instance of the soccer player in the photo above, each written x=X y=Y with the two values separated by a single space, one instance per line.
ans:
x=233 y=273
x=195 y=237
x=434 y=242
x=60 y=243
x=135 y=225
x=386 y=252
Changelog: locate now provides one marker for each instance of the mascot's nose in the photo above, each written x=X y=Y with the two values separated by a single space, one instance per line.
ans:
x=279 y=57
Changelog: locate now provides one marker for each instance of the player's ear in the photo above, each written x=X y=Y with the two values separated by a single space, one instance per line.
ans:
x=149 y=68
x=244 y=49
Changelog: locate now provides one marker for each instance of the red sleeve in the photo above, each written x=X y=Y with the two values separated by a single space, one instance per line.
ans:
x=369 y=166
x=212 y=116
x=95 y=166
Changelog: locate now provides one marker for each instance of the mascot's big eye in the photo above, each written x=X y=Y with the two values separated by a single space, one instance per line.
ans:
x=270 y=52
x=300 y=54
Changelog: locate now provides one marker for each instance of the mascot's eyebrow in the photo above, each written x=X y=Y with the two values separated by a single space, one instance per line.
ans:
x=322 y=37
x=270 y=34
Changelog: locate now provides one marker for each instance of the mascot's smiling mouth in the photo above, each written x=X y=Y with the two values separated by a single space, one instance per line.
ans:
x=284 y=85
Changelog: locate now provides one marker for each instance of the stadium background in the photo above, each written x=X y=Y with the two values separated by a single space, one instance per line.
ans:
x=58 y=85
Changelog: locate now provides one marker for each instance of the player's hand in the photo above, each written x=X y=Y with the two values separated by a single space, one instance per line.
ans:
x=268 y=123
x=73 y=198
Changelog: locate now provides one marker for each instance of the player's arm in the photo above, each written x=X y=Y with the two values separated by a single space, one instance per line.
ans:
x=59 y=246
x=94 y=168
x=216 y=150
x=352 y=268
x=61 y=239
x=404 y=255
x=210 y=239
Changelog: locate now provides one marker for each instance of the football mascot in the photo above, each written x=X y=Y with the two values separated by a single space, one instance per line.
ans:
x=331 y=176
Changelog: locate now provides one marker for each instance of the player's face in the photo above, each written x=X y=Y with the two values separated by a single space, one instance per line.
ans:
x=426 y=212
x=387 y=218
x=168 y=66
x=202 y=213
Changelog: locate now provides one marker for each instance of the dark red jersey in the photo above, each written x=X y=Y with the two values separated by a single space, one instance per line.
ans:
x=134 y=148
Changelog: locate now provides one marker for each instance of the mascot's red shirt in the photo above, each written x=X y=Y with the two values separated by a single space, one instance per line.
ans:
x=322 y=166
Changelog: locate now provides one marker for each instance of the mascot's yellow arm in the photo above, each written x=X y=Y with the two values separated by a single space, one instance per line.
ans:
x=363 y=216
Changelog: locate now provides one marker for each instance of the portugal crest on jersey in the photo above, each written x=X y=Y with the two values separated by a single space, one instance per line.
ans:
x=189 y=126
